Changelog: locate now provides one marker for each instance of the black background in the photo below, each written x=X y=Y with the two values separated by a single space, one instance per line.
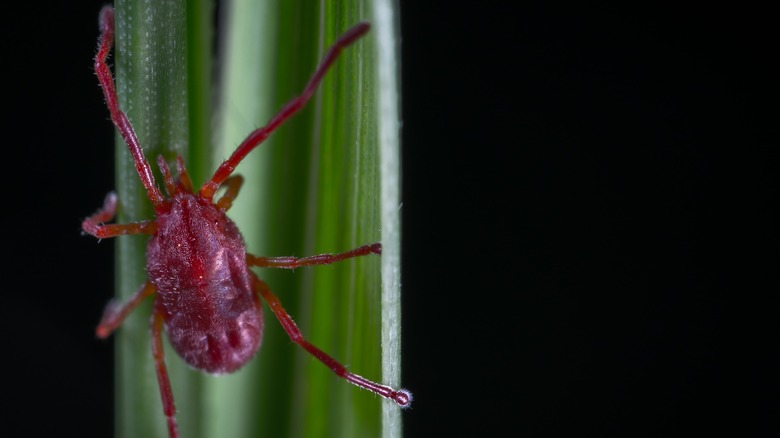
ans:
x=589 y=236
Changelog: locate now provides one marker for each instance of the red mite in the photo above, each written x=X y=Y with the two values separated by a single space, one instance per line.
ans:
x=205 y=296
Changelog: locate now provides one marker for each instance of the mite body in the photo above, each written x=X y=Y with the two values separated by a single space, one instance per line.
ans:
x=197 y=262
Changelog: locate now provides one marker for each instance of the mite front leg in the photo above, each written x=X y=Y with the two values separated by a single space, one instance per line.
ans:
x=320 y=259
x=401 y=397
x=169 y=408
x=95 y=226
x=259 y=135
x=122 y=123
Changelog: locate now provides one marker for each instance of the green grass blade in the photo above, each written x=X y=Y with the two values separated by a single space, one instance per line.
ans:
x=387 y=70
x=315 y=187
x=160 y=89
x=327 y=181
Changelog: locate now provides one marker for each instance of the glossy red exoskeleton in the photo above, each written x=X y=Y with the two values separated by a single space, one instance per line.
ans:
x=205 y=296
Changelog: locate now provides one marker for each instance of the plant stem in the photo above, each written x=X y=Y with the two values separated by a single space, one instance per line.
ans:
x=327 y=181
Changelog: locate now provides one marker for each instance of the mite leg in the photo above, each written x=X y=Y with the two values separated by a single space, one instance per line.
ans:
x=233 y=185
x=320 y=259
x=94 y=224
x=169 y=408
x=115 y=313
x=401 y=397
x=259 y=135
x=117 y=115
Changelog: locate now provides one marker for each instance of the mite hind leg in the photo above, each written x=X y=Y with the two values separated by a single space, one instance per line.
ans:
x=401 y=397
x=169 y=407
x=116 y=313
